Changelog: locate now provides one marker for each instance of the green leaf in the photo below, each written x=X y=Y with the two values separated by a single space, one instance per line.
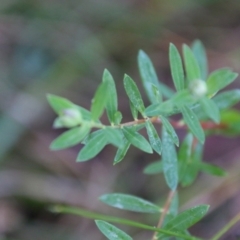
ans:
x=112 y=101
x=184 y=157
x=201 y=57
x=118 y=117
x=169 y=159
x=134 y=111
x=168 y=126
x=186 y=219
x=192 y=122
x=121 y=152
x=129 y=202
x=191 y=64
x=219 y=79
x=133 y=93
x=59 y=104
x=137 y=140
x=176 y=67
x=100 y=100
x=157 y=95
x=148 y=74
x=70 y=138
x=111 y=232
x=153 y=168
x=92 y=147
x=227 y=99
x=210 y=108
x=212 y=169
x=114 y=136
x=166 y=108
x=153 y=137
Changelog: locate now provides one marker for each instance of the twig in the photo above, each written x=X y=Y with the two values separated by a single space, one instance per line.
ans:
x=164 y=212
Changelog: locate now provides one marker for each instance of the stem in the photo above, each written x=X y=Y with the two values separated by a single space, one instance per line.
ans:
x=164 y=212
x=229 y=225
x=93 y=215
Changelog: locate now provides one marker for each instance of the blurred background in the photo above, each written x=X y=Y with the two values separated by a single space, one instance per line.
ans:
x=62 y=47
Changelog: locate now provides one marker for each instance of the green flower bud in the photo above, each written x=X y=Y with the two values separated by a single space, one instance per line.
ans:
x=198 y=88
x=70 y=117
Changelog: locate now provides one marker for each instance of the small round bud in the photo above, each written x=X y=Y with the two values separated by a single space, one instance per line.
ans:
x=70 y=117
x=198 y=88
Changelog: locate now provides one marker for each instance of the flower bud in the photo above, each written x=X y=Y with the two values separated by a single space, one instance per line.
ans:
x=70 y=117
x=198 y=88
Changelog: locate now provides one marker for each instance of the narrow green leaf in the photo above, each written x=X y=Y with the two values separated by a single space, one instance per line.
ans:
x=153 y=168
x=114 y=136
x=192 y=122
x=173 y=209
x=191 y=64
x=166 y=108
x=176 y=67
x=118 y=117
x=92 y=147
x=201 y=57
x=184 y=156
x=148 y=74
x=134 y=111
x=133 y=93
x=168 y=126
x=219 y=79
x=70 y=138
x=112 y=102
x=121 y=152
x=129 y=202
x=137 y=140
x=186 y=219
x=111 y=232
x=227 y=99
x=59 y=104
x=157 y=95
x=169 y=159
x=92 y=135
x=210 y=108
x=212 y=169
x=100 y=100
x=153 y=137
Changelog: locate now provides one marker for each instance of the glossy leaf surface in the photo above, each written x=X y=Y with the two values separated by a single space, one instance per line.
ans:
x=201 y=57
x=210 y=108
x=169 y=159
x=133 y=93
x=220 y=79
x=192 y=122
x=100 y=100
x=59 y=104
x=129 y=202
x=70 y=138
x=153 y=137
x=92 y=146
x=169 y=128
x=176 y=67
x=137 y=140
x=191 y=64
x=227 y=99
x=112 y=101
x=114 y=136
x=111 y=232
x=148 y=74
x=154 y=168
x=186 y=219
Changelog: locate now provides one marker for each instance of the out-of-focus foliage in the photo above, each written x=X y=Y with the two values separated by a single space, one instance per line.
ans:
x=62 y=47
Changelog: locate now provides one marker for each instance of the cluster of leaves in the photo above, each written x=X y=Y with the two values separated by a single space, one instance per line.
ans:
x=204 y=111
